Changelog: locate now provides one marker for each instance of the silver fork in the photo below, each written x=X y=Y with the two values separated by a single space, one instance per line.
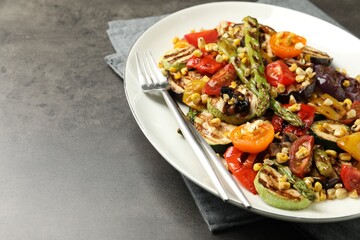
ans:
x=151 y=79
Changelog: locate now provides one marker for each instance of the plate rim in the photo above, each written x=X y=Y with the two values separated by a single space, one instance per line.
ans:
x=176 y=166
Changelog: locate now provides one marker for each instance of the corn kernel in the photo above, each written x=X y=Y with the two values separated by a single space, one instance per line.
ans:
x=283 y=178
x=284 y=185
x=338 y=185
x=347 y=103
x=346 y=83
x=302 y=152
x=295 y=107
x=195 y=98
x=353 y=194
x=177 y=75
x=273 y=92
x=201 y=42
x=322 y=195
x=280 y=88
x=328 y=102
x=344 y=156
x=317 y=186
x=340 y=132
x=282 y=157
x=233 y=85
x=197 y=53
x=292 y=99
x=309 y=181
x=309 y=71
x=172 y=69
x=215 y=122
x=198 y=120
x=341 y=193
x=356 y=126
x=175 y=40
x=331 y=193
x=184 y=71
x=257 y=166
x=219 y=58
x=299 y=46
x=236 y=42
x=300 y=78
x=293 y=67
x=285 y=150
x=331 y=153
x=351 y=113
x=204 y=98
x=205 y=78
x=300 y=71
x=244 y=60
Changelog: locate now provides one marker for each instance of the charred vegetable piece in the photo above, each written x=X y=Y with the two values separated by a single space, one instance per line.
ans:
x=271 y=191
x=316 y=56
x=322 y=163
x=337 y=84
x=327 y=133
x=216 y=133
x=177 y=58
x=328 y=106
x=300 y=91
x=351 y=144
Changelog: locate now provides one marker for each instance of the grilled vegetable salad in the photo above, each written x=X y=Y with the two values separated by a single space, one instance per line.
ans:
x=285 y=120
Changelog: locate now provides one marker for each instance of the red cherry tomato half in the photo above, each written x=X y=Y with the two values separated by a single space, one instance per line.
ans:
x=301 y=165
x=222 y=77
x=350 y=177
x=206 y=64
x=279 y=73
x=307 y=115
x=210 y=36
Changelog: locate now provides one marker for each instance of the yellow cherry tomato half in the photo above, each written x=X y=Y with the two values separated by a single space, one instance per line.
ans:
x=287 y=44
x=253 y=137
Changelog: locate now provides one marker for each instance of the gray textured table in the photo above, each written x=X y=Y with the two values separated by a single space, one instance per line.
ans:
x=74 y=164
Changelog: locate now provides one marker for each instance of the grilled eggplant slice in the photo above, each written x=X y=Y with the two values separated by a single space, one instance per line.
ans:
x=300 y=91
x=216 y=134
x=316 y=56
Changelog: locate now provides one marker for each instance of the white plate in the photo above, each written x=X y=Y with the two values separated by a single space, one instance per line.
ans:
x=159 y=126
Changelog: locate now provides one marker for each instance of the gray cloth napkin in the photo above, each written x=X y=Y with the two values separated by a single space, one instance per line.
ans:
x=217 y=214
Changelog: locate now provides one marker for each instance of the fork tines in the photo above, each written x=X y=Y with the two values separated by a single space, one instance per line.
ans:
x=148 y=72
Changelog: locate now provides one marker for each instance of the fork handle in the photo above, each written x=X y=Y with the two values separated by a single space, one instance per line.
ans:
x=229 y=178
x=194 y=143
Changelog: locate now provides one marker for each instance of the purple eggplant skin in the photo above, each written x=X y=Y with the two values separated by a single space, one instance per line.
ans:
x=331 y=81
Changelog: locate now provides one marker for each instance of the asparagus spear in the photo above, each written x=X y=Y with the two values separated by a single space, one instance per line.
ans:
x=257 y=80
x=297 y=183
x=285 y=113
x=257 y=83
